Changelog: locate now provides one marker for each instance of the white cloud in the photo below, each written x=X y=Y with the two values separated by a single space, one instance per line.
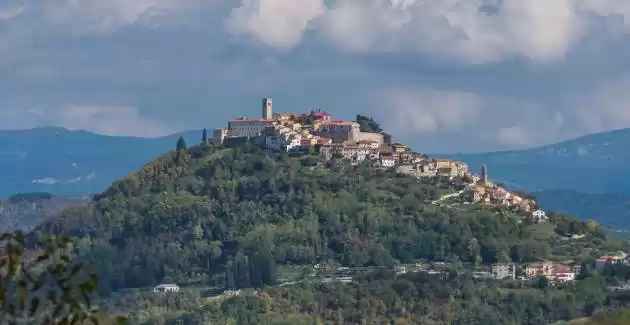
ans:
x=110 y=120
x=605 y=108
x=462 y=29
x=279 y=23
x=414 y=111
x=515 y=136
x=10 y=9
x=102 y=119
x=471 y=30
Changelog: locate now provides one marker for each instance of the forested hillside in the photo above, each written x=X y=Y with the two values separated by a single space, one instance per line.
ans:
x=24 y=211
x=189 y=213
x=381 y=298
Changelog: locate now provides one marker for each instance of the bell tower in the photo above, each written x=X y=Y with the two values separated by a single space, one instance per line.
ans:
x=267 y=109
x=484 y=174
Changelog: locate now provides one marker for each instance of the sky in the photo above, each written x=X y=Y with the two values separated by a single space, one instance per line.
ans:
x=441 y=75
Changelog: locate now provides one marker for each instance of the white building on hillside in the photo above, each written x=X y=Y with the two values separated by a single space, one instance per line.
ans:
x=540 y=216
x=166 y=288
x=245 y=127
x=501 y=271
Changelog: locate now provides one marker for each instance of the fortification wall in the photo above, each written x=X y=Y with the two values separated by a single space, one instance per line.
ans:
x=366 y=136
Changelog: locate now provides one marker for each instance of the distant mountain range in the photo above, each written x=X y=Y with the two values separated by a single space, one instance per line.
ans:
x=588 y=177
x=597 y=163
x=64 y=162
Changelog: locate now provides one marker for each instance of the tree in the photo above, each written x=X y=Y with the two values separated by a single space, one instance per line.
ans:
x=204 y=136
x=181 y=144
x=44 y=286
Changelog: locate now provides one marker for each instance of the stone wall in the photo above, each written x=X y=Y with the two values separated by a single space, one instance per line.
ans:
x=366 y=136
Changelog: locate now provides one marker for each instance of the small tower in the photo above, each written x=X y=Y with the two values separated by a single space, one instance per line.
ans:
x=267 y=109
x=484 y=174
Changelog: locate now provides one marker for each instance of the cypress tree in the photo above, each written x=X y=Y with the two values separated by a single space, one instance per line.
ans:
x=229 y=275
x=204 y=136
x=181 y=144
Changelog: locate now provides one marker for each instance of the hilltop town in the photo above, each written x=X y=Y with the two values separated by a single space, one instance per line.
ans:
x=346 y=141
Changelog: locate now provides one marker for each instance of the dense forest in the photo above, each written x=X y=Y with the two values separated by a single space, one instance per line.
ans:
x=382 y=298
x=188 y=214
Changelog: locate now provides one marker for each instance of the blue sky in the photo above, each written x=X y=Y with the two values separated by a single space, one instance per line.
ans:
x=443 y=75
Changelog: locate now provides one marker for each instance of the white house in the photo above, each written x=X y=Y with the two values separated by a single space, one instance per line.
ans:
x=502 y=271
x=564 y=276
x=387 y=160
x=539 y=216
x=166 y=288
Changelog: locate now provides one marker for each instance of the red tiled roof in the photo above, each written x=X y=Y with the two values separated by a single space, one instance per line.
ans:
x=561 y=269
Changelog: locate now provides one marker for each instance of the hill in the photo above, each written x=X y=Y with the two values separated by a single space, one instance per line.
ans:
x=25 y=211
x=76 y=162
x=597 y=163
x=188 y=214
x=588 y=177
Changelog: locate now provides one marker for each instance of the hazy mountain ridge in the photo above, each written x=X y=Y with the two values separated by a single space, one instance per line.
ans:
x=25 y=211
x=588 y=177
x=75 y=162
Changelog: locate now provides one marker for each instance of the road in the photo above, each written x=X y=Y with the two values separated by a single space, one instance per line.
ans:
x=447 y=196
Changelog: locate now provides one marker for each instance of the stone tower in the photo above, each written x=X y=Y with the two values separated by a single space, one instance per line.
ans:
x=267 y=109
x=484 y=174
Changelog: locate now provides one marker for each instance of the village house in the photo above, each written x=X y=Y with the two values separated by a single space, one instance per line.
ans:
x=318 y=114
x=604 y=261
x=501 y=271
x=387 y=159
x=539 y=216
x=555 y=272
x=166 y=288
x=562 y=274
x=447 y=172
x=246 y=127
x=399 y=148
x=367 y=144
x=219 y=135
x=539 y=270
x=339 y=131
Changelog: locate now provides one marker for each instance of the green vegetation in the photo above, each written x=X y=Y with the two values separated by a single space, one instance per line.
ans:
x=30 y=197
x=616 y=317
x=377 y=298
x=212 y=217
x=44 y=287
x=181 y=144
x=188 y=214
x=367 y=124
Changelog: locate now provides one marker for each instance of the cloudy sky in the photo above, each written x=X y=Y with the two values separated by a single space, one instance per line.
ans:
x=443 y=75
